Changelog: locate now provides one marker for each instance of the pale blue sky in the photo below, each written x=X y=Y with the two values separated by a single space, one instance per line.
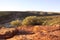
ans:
x=32 y=5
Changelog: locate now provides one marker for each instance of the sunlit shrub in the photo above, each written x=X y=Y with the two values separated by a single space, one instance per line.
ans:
x=15 y=23
x=32 y=20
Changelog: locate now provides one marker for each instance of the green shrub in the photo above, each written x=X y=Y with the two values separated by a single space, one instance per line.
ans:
x=32 y=20
x=15 y=23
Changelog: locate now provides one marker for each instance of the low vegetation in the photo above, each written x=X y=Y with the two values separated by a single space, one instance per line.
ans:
x=15 y=23
x=4 y=13
x=42 y=18
x=32 y=20
x=37 y=20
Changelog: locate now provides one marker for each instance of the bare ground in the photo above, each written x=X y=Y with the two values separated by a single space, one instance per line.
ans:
x=31 y=33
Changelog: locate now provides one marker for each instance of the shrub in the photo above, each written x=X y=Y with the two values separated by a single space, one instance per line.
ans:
x=15 y=23
x=32 y=20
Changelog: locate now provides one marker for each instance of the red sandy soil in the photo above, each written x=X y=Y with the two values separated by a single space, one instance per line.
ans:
x=31 y=33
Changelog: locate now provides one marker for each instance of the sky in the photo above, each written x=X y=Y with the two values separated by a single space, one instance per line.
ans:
x=30 y=5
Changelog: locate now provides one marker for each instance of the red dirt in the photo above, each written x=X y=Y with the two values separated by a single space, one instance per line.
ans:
x=31 y=33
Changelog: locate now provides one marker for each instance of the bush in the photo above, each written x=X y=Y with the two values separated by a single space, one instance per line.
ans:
x=32 y=20
x=15 y=23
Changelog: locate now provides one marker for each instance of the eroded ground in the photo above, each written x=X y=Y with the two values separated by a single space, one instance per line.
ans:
x=31 y=33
